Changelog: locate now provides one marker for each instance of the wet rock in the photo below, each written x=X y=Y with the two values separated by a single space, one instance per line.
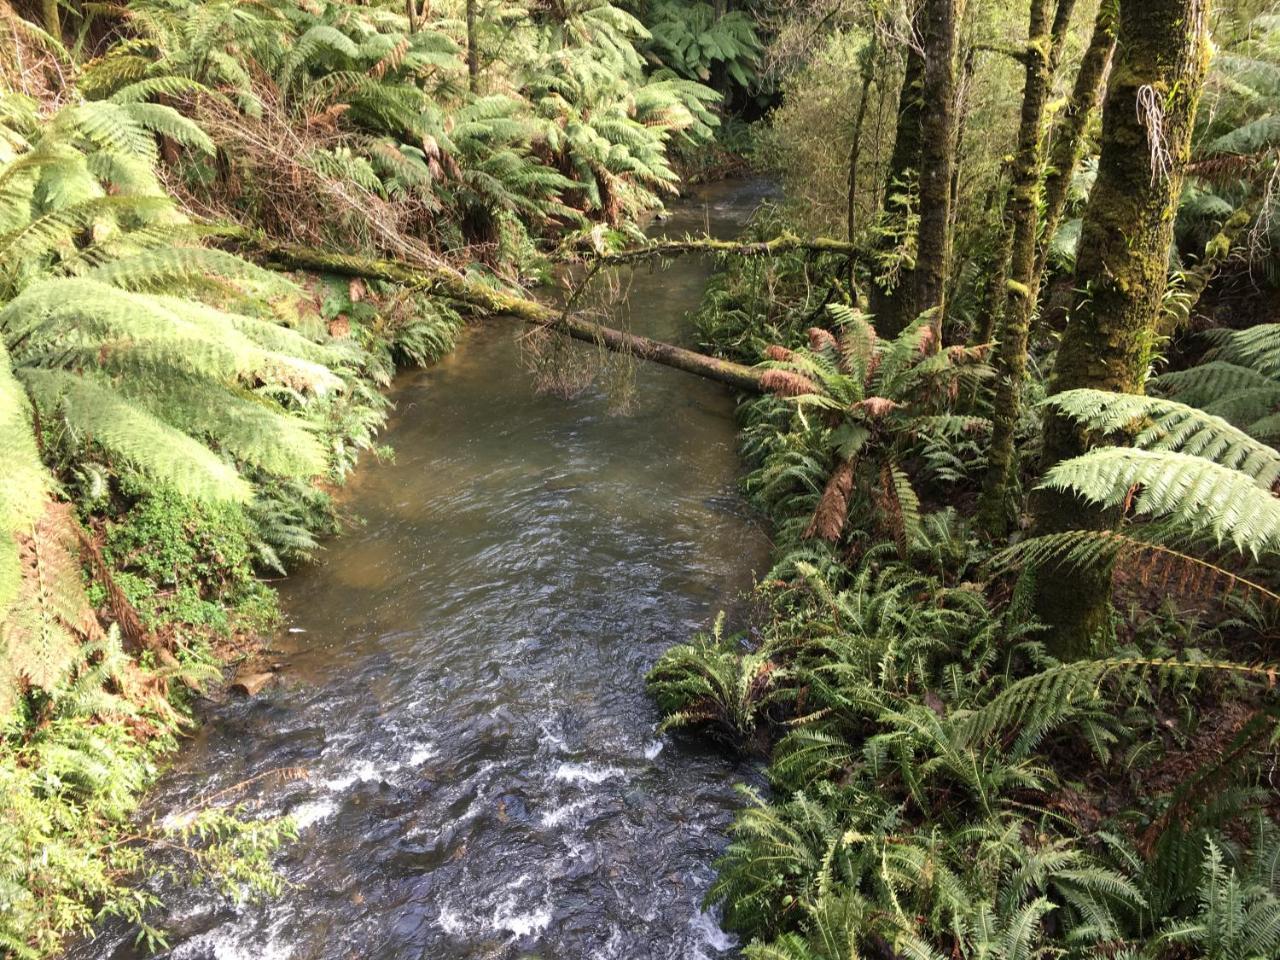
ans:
x=250 y=685
x=511 y=807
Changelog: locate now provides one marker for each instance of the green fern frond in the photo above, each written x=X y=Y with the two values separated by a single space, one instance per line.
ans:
x=1256 y=347
x=1201 y=495
x=24 y=482
x=1156 y=424
x=99 y=415
x=1049 y=695
x=1154 y=563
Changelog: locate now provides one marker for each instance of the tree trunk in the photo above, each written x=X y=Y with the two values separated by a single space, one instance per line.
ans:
x=937 y=130
x=1020 y=297
x=855 y=151
x=886 y=297
x=1068 y=139
x=993 y=297
x=1162 y=55
x=473 y=54
x=52 y=19
x=963 y=88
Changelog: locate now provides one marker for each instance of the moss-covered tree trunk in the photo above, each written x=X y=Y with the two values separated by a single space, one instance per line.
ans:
x=51 y=18
x=868 y=56
x=1045 y=35
x=1069 y=137
x=1161 y=58
x=937 y=157
x=473 y=53
x=964 y=87
x=888 y=292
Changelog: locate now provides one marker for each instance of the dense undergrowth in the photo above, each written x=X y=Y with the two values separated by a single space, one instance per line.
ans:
x=1013 y=672
x=941 y=784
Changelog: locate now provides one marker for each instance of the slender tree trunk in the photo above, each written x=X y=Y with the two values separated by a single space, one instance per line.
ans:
x=994 y=295
x=886 y=298
x=1162 y=56
x=855 y=151
x=1043 y=35
x=52 y=18
x=473 y=55
x=1068 y=138
x=963 y=86
x=937 y=129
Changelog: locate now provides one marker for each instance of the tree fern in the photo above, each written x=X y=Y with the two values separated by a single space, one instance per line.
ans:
x=41 y=632
x=24 y=482
x=1145 y=558
x=1197 y=493
x=1236 y=393
x=1164 y=425
x=95 y=413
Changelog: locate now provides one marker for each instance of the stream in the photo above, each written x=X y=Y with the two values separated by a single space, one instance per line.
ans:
x=463 y=672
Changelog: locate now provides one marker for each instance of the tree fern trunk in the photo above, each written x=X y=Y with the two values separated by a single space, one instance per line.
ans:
x=1121 y=270
x=1044 y=38
x=937 y=131
x=1068 y=139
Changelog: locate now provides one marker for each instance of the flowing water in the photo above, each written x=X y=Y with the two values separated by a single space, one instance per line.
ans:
x=464 y=672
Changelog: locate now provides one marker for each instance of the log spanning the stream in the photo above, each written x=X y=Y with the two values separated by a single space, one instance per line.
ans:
x=785 y=243
x=446 y=282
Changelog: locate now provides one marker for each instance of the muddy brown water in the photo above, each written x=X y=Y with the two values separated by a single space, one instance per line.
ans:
x=464 y=672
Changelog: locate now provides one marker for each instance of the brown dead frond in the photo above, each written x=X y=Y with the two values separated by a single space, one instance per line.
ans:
x=1171 y=572
x=889 y=512
x=271 y=169
x=30 y=64
x=820 y=339
x=392 y=60
x=833 y=507
x=778 y=353
x=784 y=383
x=877 y=407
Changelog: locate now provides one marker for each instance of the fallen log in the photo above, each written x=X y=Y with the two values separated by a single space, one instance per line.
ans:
x=447 y=282
x=785 y=243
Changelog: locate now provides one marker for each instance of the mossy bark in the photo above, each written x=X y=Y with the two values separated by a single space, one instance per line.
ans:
x=51 y=18
x=1161 y=59
x=1044 y=37
x=937 y=158
x=886 y=299
x=964 y=85
x=784 y=243
x=855 y=151
x=1069 y=137
x=473 y=52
